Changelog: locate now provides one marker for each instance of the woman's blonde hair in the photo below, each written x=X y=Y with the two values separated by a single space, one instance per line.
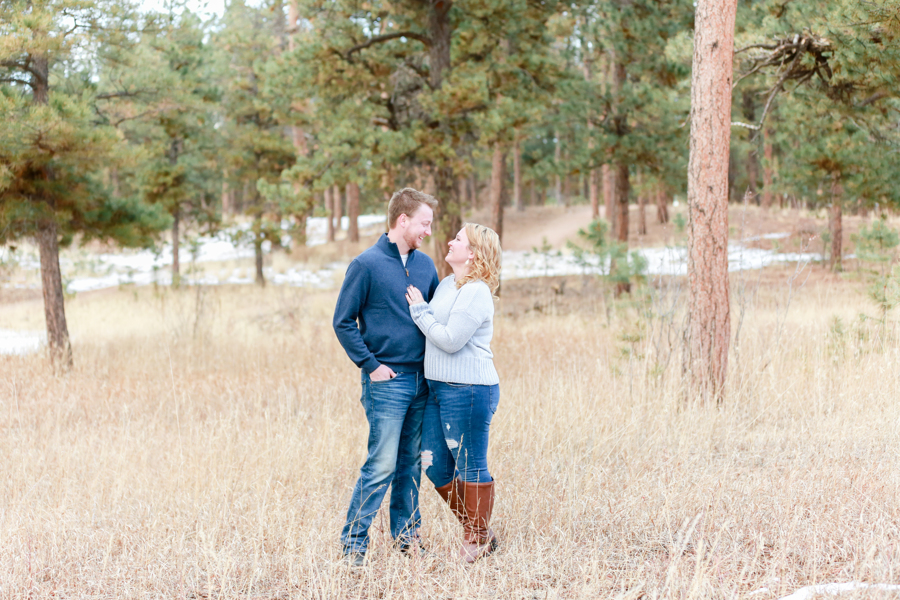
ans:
x=485 y=245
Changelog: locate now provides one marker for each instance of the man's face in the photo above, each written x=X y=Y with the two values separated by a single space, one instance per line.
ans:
x=418 y=226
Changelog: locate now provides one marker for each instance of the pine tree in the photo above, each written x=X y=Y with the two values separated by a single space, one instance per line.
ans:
x=53 y=150
x=257 y=148
x=172 y=70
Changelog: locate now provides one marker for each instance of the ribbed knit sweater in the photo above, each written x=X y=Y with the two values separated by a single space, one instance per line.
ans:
x=458 y=325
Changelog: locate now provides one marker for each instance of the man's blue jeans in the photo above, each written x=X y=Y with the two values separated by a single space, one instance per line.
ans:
x=455 y=431
x=394 y=409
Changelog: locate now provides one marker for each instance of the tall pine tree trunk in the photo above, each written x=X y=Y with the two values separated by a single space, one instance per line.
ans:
x=642 y=213
x=48 y=245
x=498 y=175
x=440 y=30
x=709 y=328
x=767 y=170
x=623 y=191
x=749 y=108
x=54 y=302
x=329 y=216
x=662 y=205
x=518 y=196
x=557 y=161
x=258 y=249
x=298 y=136
x=338 y=201
x=353 y=212
x=609 y=195
x=176 y=247
x=594 y=193
x=836 y=223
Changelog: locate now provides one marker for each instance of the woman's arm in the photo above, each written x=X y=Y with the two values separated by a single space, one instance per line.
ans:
x=450 y=337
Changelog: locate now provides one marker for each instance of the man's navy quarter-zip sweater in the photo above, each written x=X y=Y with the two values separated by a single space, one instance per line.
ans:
x=372 y=319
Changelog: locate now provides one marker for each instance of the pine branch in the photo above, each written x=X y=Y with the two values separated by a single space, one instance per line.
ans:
x=873 y=98
x=16 y=80
x=125 y=94
x=385 y=38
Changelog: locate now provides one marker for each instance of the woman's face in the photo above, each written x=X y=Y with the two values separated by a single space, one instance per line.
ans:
x=459 y=249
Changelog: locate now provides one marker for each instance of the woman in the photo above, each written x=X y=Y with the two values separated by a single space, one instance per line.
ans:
x=458 y=325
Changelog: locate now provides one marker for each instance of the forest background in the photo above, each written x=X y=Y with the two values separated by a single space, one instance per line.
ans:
x=141 y=471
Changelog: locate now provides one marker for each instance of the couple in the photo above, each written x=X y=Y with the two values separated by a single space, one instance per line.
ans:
x=429 y=387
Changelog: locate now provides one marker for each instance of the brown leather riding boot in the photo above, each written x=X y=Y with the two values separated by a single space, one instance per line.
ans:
x=452 y=495
x=478 y=499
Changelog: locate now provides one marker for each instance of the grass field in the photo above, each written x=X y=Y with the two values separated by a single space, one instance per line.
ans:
x=206 y=443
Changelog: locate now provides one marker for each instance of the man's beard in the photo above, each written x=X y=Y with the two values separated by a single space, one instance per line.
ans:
x=412 y=241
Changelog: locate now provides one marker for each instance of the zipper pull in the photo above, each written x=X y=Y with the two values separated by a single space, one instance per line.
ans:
x=407 y=273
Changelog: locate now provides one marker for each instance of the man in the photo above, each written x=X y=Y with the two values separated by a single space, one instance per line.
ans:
x=373 y=324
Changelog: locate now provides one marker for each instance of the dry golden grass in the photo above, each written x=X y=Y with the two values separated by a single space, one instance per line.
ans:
x=207 y=441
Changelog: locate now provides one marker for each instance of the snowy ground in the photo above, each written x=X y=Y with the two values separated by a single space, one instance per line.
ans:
x=210 y=261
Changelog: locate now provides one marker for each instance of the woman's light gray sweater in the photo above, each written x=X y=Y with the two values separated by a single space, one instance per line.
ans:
x=458 y=325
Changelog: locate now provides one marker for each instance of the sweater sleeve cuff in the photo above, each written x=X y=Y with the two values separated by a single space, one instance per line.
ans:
x=417 y=310
x=370 y=364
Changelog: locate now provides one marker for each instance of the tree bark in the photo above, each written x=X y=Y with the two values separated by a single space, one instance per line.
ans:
x=557 y=161
x=749 y=108
x=768 y=170
x=338 y=201
x=329 y=216
x=498 y=175
x=48 y=245
x=258 y=250
x=642 y=213
x=448 y=215
x=440 y=29
x=623 y=191
x=609 y=195
x=176 y=247
x=518 y=197
x=353 y=212
x=709 y=327
x=836 y=224
x=54 y=301
x=567 y=185
x=298 y=136
x=662 y=205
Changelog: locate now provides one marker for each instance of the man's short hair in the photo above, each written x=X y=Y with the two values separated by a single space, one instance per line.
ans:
x=406 y=202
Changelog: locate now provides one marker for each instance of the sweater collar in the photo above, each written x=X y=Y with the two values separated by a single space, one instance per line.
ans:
x=390 y=248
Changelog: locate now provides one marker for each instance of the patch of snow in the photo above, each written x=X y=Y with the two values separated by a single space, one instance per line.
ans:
x=660 y=261
x=21 y=342
x=766 y=236
x=145 y=267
